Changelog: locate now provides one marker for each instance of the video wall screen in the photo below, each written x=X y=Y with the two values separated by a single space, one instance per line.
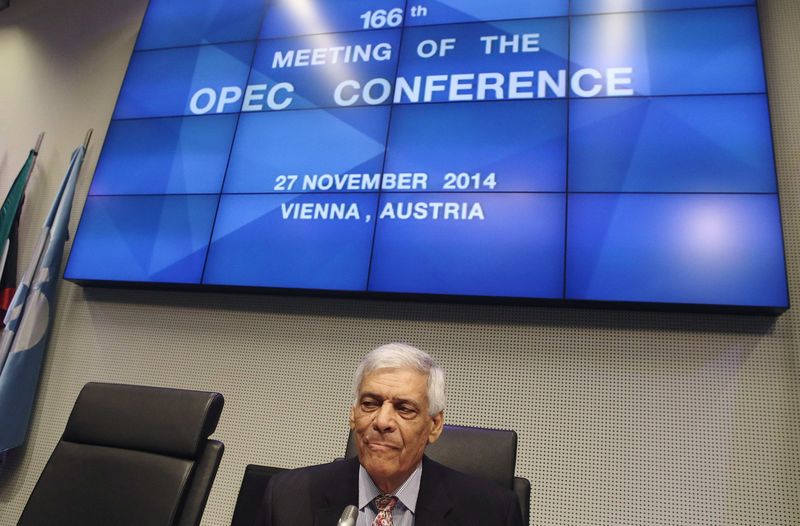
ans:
x=584 y=150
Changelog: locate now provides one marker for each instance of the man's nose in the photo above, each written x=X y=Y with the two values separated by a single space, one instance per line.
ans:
x=385 y=418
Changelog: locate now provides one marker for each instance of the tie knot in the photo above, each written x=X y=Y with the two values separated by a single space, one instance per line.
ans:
x=385 y=503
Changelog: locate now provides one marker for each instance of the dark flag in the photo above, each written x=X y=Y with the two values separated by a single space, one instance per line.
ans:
x=9 y=230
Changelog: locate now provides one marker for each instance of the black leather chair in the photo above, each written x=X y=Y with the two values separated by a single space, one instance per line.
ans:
x=254 y=484
x=487 y=453
x=130 y=456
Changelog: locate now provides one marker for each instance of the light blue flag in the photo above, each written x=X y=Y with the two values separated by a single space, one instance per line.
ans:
x=30 y=315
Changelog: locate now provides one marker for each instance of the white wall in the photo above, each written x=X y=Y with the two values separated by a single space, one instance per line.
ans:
x=624 y=417
x=61 y=66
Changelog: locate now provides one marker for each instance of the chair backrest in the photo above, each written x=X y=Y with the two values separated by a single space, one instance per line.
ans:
x=130 y=455
x=251 y=493
x=486 y=453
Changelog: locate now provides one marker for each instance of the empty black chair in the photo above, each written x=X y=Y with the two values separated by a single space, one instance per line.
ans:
x=130 y=456
x=487 y=453
x=254 y=484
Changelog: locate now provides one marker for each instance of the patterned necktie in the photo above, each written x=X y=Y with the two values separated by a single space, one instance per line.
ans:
x=385 y=504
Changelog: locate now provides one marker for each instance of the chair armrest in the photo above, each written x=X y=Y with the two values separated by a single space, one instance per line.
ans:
x=522 y=487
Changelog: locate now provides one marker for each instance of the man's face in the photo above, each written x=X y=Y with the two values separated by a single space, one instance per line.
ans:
x=392 y=424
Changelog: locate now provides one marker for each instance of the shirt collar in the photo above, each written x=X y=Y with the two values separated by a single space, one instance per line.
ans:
x=406 y=494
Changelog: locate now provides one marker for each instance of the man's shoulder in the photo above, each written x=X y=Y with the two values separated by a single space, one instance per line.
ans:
x=297 y=496
x=469 y=497
x=314 y=474
x=465 y=485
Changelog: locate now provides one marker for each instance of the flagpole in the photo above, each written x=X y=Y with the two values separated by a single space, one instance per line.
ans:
x=38 y=142
x=33 y=163
x=88 y=138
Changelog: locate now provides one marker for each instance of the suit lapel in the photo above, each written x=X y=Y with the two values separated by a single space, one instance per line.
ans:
x=434 y=502
x=336 y=492
x=340 y=489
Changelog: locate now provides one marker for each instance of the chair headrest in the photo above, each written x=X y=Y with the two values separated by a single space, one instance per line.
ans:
x=486 y=453
x=173 y=422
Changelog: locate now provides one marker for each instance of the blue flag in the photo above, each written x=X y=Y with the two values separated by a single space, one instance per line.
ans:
x=30 y=315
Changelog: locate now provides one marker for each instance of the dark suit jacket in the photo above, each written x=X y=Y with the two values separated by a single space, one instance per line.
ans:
x=317 y=495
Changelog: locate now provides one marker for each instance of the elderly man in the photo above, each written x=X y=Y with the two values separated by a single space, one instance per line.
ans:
x=397 y=411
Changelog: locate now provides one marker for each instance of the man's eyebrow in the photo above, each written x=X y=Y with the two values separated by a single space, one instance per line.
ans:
x=410 y=401
x=406 y=401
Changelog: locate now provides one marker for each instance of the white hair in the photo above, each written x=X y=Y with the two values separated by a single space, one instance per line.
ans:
x=401 y=355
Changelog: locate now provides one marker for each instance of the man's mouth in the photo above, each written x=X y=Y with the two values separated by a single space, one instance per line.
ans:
x=380 y=446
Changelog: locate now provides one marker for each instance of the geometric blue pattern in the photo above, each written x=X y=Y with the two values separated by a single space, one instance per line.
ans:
x=477 y=257
x=159 y=239
x=287 y=18
x=469 y=55
x=674 y=52
x=524 y=144
x=176 y=155
x=302 y=253
x=675 y=144
x=710 y=249
x=587 y=7
x=161 y=83
x=171 y=23
x=314 y=85
x=456 y=11
x=598 y=150
x=273 y=144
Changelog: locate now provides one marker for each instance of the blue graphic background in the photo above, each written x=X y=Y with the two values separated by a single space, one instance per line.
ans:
x=160 y=239
x=315 y=85
x=277 y=143
x=172 y=23
x=455 y=11
x=481 y=258
x=675 y=52
x=286 y=18
x=469 y=53
x=711 y=249
x=585 y=7
x=524 y=144
x=667 y=194
x=254 y=245
x=672 y=144
x=161 y=83
x=178 y=155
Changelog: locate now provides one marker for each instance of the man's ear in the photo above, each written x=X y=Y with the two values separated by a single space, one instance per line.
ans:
x=438 y=426
x=352 y=419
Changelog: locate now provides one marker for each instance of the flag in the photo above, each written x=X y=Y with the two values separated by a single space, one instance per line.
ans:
x=9 y=229
x=24 y=339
